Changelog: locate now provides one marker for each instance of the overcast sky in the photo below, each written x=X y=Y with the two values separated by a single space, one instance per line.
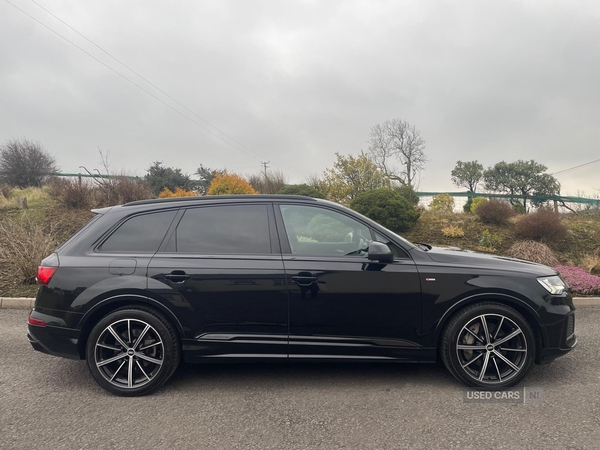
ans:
x=294 y=82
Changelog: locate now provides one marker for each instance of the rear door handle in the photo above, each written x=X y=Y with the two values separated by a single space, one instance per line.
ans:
x=304 y=280
x=177 y=276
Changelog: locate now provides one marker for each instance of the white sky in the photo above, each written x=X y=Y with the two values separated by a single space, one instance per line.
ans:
x=297 y=81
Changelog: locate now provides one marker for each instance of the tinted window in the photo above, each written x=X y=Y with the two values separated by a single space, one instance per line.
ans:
x=322 y=232
x=224 y=229
x=141 y=234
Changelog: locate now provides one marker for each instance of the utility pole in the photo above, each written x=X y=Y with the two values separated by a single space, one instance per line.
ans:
x=265 y=164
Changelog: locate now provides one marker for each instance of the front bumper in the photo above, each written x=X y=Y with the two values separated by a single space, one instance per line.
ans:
x=564 y=340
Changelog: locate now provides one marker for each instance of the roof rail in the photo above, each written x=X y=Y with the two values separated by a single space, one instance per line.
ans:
x=219 y=197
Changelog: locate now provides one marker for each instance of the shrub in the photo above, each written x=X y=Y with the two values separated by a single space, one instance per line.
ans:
x=229 y=183
x=386 y=207
x=442 y=202
x=453 y=231
x=591 y=263
x=120 y=190
x=301 y=189
x=5 y=190
x=322 y=228
x=267 y=183
x=179 y=192
x=579 y=280
x=477 y=201
x=542 y=225
x=23 y=245
x=72 y=193
x=407 y=191
x=489 y=240
x=98 y=193
x=519 y=208
x=467 y=205
x=160 y=177
x=533 y=251
x=494 y=211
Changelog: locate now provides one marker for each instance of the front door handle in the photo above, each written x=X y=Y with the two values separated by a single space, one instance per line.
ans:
x=304 y=280
x=177 y=276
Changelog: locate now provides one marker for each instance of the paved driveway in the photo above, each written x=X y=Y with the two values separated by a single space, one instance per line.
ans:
x=47 y=402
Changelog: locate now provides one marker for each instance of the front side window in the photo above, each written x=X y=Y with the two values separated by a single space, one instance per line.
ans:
x=139 y=234
x=322 y=232
x=227 y=229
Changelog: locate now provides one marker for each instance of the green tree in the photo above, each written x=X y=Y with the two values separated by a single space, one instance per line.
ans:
x=301 y=189
x=521 y=179
x=160 y=177
x=350 y=176
x=25 y=163
x=205 y=175
x=386 y=207
x=407 y=191
x=467 y=174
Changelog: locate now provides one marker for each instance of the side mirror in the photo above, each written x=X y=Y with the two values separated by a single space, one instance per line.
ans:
x=380 y=252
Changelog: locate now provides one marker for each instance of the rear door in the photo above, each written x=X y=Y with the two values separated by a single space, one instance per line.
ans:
x=222 y=266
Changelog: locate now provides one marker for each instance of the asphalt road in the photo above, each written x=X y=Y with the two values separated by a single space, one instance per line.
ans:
x=47 y=402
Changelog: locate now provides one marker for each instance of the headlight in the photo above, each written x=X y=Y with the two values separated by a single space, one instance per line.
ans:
x=555 y=285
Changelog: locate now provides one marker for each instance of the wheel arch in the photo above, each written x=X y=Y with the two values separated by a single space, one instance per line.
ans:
x=114 y=302
x=530 y=315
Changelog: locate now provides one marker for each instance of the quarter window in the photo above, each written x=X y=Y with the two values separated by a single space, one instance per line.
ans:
x=233 y=229
x=322 y=232
x=139 y=234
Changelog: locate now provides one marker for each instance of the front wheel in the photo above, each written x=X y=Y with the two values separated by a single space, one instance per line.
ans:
x=132 y=351
x=488 y=345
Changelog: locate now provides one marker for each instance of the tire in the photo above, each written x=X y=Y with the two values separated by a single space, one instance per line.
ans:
x=125 y=364
x=468 y=348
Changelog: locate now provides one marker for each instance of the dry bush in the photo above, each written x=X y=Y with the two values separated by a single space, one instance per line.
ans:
x=5 y=190
x=270 y=183
x=453 y=231
x=72 y=193
x=544 y=225
x=86 y=194
x=533 y=251
x=120 y=190
x=495 y=212
x=591 y=263
x=23 y=245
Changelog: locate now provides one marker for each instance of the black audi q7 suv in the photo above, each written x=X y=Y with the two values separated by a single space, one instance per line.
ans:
x=235 y=278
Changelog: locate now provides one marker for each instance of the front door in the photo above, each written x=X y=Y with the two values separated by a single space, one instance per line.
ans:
x=221 y=269
x=342 y=305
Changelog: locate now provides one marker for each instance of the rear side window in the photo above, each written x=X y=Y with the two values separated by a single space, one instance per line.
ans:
x=140 y=234
x=233 y=229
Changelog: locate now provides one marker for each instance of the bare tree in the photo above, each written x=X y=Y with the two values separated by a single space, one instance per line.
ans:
x=397 y=148
x=25 y=163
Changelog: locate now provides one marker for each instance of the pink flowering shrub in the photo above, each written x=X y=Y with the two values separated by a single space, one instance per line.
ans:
x=580 y=281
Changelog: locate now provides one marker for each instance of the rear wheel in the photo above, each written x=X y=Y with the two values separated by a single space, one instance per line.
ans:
x=488 y=345
x=132 y=351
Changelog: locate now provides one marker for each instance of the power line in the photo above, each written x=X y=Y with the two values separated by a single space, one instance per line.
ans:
x=141 y=76
x=577 y=167
x=249 y=152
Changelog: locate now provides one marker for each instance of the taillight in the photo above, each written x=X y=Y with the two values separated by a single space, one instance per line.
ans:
x=36 y=322
x=44 y=274
x=47 y=268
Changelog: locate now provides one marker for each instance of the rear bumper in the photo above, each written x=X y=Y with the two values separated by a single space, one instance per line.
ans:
x=55 y=341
